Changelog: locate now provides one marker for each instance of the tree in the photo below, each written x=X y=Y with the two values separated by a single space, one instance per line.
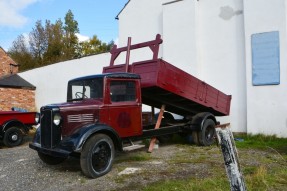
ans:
x=55 y=49
x=21 y=55
x=52 y=43
x=38 y=41
x=70 y=39
x=94 y=46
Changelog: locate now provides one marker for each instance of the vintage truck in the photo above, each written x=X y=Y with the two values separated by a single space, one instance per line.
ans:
x=103 y=112
x=14 y=125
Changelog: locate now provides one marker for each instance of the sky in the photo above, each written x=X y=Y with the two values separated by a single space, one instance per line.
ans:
x=94 y=17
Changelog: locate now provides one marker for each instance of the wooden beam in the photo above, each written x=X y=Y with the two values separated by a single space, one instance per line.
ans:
x=153 y=140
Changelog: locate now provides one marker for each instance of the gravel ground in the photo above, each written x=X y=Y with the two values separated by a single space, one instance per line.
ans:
x=21 y=168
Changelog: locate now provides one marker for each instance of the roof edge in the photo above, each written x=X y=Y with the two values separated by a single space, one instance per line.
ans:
x=117 y=17
x=18 y=87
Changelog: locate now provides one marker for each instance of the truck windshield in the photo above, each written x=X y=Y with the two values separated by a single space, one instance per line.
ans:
x=85 y=89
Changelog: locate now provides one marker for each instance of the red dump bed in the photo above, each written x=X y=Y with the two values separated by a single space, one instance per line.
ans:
x=182 y=93
x=163 y=83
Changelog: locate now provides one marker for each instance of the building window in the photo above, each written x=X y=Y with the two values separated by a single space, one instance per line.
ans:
x=265 y=58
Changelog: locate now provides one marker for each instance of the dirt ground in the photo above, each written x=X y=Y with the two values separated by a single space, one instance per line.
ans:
x=21 y=168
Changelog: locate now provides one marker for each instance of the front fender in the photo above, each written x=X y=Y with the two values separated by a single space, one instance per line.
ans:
x=81 y=135
x=14 y=123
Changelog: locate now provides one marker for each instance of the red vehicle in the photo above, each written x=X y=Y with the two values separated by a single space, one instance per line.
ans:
x=14 y=125
x=104 y=112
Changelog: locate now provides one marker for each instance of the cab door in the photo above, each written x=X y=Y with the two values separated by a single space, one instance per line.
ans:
x=125 y=106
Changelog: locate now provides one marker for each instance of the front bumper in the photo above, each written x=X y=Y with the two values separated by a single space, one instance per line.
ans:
x=56 y=152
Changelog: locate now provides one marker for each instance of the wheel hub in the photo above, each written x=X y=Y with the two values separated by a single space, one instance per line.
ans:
x=14 y=137
x=101 y=156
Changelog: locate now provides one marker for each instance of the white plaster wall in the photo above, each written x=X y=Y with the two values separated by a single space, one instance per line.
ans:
x=204 y=38
x=179 y=35
x=51 y=81
x=266 y=105
x=141 y=20
x=222 y=53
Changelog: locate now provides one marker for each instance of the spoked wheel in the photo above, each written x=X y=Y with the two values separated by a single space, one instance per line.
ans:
x=206 y=136
x=13 y=137
x=97 y=156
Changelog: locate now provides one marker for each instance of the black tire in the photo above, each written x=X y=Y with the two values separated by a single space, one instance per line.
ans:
x=50 y=160
x=13 y=137
x=97 y=156
x=194 y=135
x=206 y=136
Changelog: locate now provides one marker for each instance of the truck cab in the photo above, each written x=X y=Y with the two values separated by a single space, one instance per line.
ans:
x=110 y=99
x=108 y=104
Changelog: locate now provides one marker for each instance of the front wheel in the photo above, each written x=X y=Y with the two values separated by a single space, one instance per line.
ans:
x=48 y=159
x=97 y=156
x=206 y=136
x=13 y=137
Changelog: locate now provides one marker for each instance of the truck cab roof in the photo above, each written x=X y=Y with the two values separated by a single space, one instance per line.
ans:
x=109 y=75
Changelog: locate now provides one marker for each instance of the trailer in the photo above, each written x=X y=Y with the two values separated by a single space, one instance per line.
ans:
x=14 y=125
x=103 y=112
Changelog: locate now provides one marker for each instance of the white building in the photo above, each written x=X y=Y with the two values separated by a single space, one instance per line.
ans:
x=237 y=46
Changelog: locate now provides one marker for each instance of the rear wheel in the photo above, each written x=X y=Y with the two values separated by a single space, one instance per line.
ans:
x=51 y=160
x=97 y=156
x=13 y=137
x=206 y=136
x=194 y=135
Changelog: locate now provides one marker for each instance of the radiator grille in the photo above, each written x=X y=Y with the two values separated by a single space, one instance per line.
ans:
x=50 y=134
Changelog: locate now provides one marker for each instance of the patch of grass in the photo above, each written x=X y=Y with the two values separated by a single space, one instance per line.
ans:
x=260 y=141
x=249 y=170
x=216 y=184
x=82 y=180
x=257 y=179
x=262 y=178
x=134 y=157
x=265 y=169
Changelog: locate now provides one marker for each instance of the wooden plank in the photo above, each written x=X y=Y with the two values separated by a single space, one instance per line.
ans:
x=153 y=140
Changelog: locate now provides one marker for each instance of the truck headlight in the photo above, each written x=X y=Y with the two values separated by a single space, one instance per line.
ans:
x=37 y=118
x=57 y=119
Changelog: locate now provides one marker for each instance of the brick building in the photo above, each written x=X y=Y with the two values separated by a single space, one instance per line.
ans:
x=14 y=90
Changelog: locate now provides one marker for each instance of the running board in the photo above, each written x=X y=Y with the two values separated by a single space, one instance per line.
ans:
x=133 y=147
